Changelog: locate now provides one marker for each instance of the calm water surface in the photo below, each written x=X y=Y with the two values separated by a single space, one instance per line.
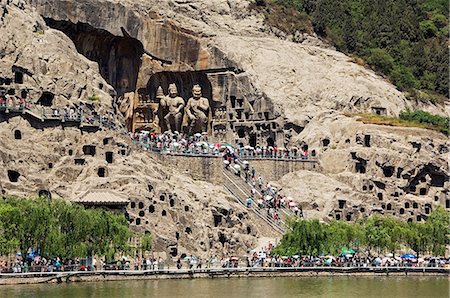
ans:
x=349 y=287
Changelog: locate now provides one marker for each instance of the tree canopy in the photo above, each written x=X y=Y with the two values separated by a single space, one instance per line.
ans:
x=406 y=40
x=60 y=228
x=375 y=234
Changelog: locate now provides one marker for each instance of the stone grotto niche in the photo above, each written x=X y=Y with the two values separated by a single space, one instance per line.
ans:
x=13 y=176
x=165 y=103
x=118 y=58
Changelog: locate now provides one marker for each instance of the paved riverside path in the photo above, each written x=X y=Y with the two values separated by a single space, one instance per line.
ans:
x=49 y=277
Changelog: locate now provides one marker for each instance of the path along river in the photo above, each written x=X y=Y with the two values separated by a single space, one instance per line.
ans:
x=349 y=287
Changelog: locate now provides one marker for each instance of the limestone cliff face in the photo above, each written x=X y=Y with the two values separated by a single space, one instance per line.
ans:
x=262 y=89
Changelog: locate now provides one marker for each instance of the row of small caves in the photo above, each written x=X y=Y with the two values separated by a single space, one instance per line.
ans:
x=79 y=158
x=417 y=184
x=170 y=205
x=13 y=86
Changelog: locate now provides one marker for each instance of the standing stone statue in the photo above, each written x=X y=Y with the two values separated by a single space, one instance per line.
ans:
x=174 y=105
x=197 y=112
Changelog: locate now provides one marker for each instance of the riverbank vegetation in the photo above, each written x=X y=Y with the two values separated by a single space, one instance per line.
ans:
x=406 y=41
x=407 y=118
x=60 y=228
x=375 y=234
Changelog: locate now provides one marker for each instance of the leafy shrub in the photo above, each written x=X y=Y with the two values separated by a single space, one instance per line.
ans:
x=404 y=78
x=440 y=122
x=381 y=59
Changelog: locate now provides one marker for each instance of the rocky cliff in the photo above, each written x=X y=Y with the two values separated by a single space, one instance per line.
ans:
x=105 y=55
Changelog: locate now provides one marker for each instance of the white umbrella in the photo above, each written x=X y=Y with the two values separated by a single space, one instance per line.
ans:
x=292 y=204
x=245 y=162
x=248 y=147
x=226 y=162
x=237 y=167
x=198 y=135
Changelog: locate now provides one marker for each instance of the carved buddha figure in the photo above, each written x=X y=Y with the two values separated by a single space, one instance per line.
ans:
x=197 y=112
x=173 y=106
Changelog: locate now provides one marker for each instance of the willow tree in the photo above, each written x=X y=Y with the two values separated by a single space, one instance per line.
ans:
x=60 y=228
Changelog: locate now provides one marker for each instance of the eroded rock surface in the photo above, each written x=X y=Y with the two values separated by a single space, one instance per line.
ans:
x=261 y=90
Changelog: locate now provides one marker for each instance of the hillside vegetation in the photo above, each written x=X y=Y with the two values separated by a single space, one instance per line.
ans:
x=409 y=118
x=405 y=40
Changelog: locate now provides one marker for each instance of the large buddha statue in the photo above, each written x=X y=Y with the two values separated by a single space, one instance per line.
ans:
x=197 y=112
x=173 y=106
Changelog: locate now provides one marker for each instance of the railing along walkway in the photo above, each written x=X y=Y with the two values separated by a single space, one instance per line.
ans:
x=234 y=186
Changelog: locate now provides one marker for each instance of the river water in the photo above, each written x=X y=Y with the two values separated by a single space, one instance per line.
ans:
x=349 y=287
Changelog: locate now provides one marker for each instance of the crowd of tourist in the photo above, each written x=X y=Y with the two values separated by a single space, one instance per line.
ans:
x=261 y=259
x=175 y=142
x=68 y=113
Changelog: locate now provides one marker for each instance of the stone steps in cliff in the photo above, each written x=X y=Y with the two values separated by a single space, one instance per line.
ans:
x=233 y=184
x=284 y=213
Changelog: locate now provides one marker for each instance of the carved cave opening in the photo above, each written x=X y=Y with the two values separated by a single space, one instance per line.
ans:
x=101 y=172
x=151 y=114
x=17 y=134
x=217 y=220
x=184 y=82
x=388 y=171
x=13 y=176
x=46 y=99
x=79 y=161
x=18 y=77
x=366 y=140
x=89 y=150
x=360 y=166
x=109 y=157
x=118 y=58
x=43 y=193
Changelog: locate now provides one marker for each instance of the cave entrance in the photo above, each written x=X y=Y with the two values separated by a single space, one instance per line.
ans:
x=45 y=194
x=89 y=150
x=253 y=140
x=46 y=99
x=109 y=157
x=118 y=58
x=17 y=134
x=13 y=176
x=18 y=77
x=241 y=133
x=367 y=140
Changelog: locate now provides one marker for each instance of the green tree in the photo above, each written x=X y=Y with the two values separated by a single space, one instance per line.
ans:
x=438 y=227
x=59 y=228
x=381 y=60
x=428 y=28
x=404 y=78
x=418 y=238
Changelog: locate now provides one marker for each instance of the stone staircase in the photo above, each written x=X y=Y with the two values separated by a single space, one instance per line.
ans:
x=282 y=212
x=241 y=191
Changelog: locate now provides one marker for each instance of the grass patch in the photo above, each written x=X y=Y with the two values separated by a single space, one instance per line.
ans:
x=94 y=98
x=419 y=119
